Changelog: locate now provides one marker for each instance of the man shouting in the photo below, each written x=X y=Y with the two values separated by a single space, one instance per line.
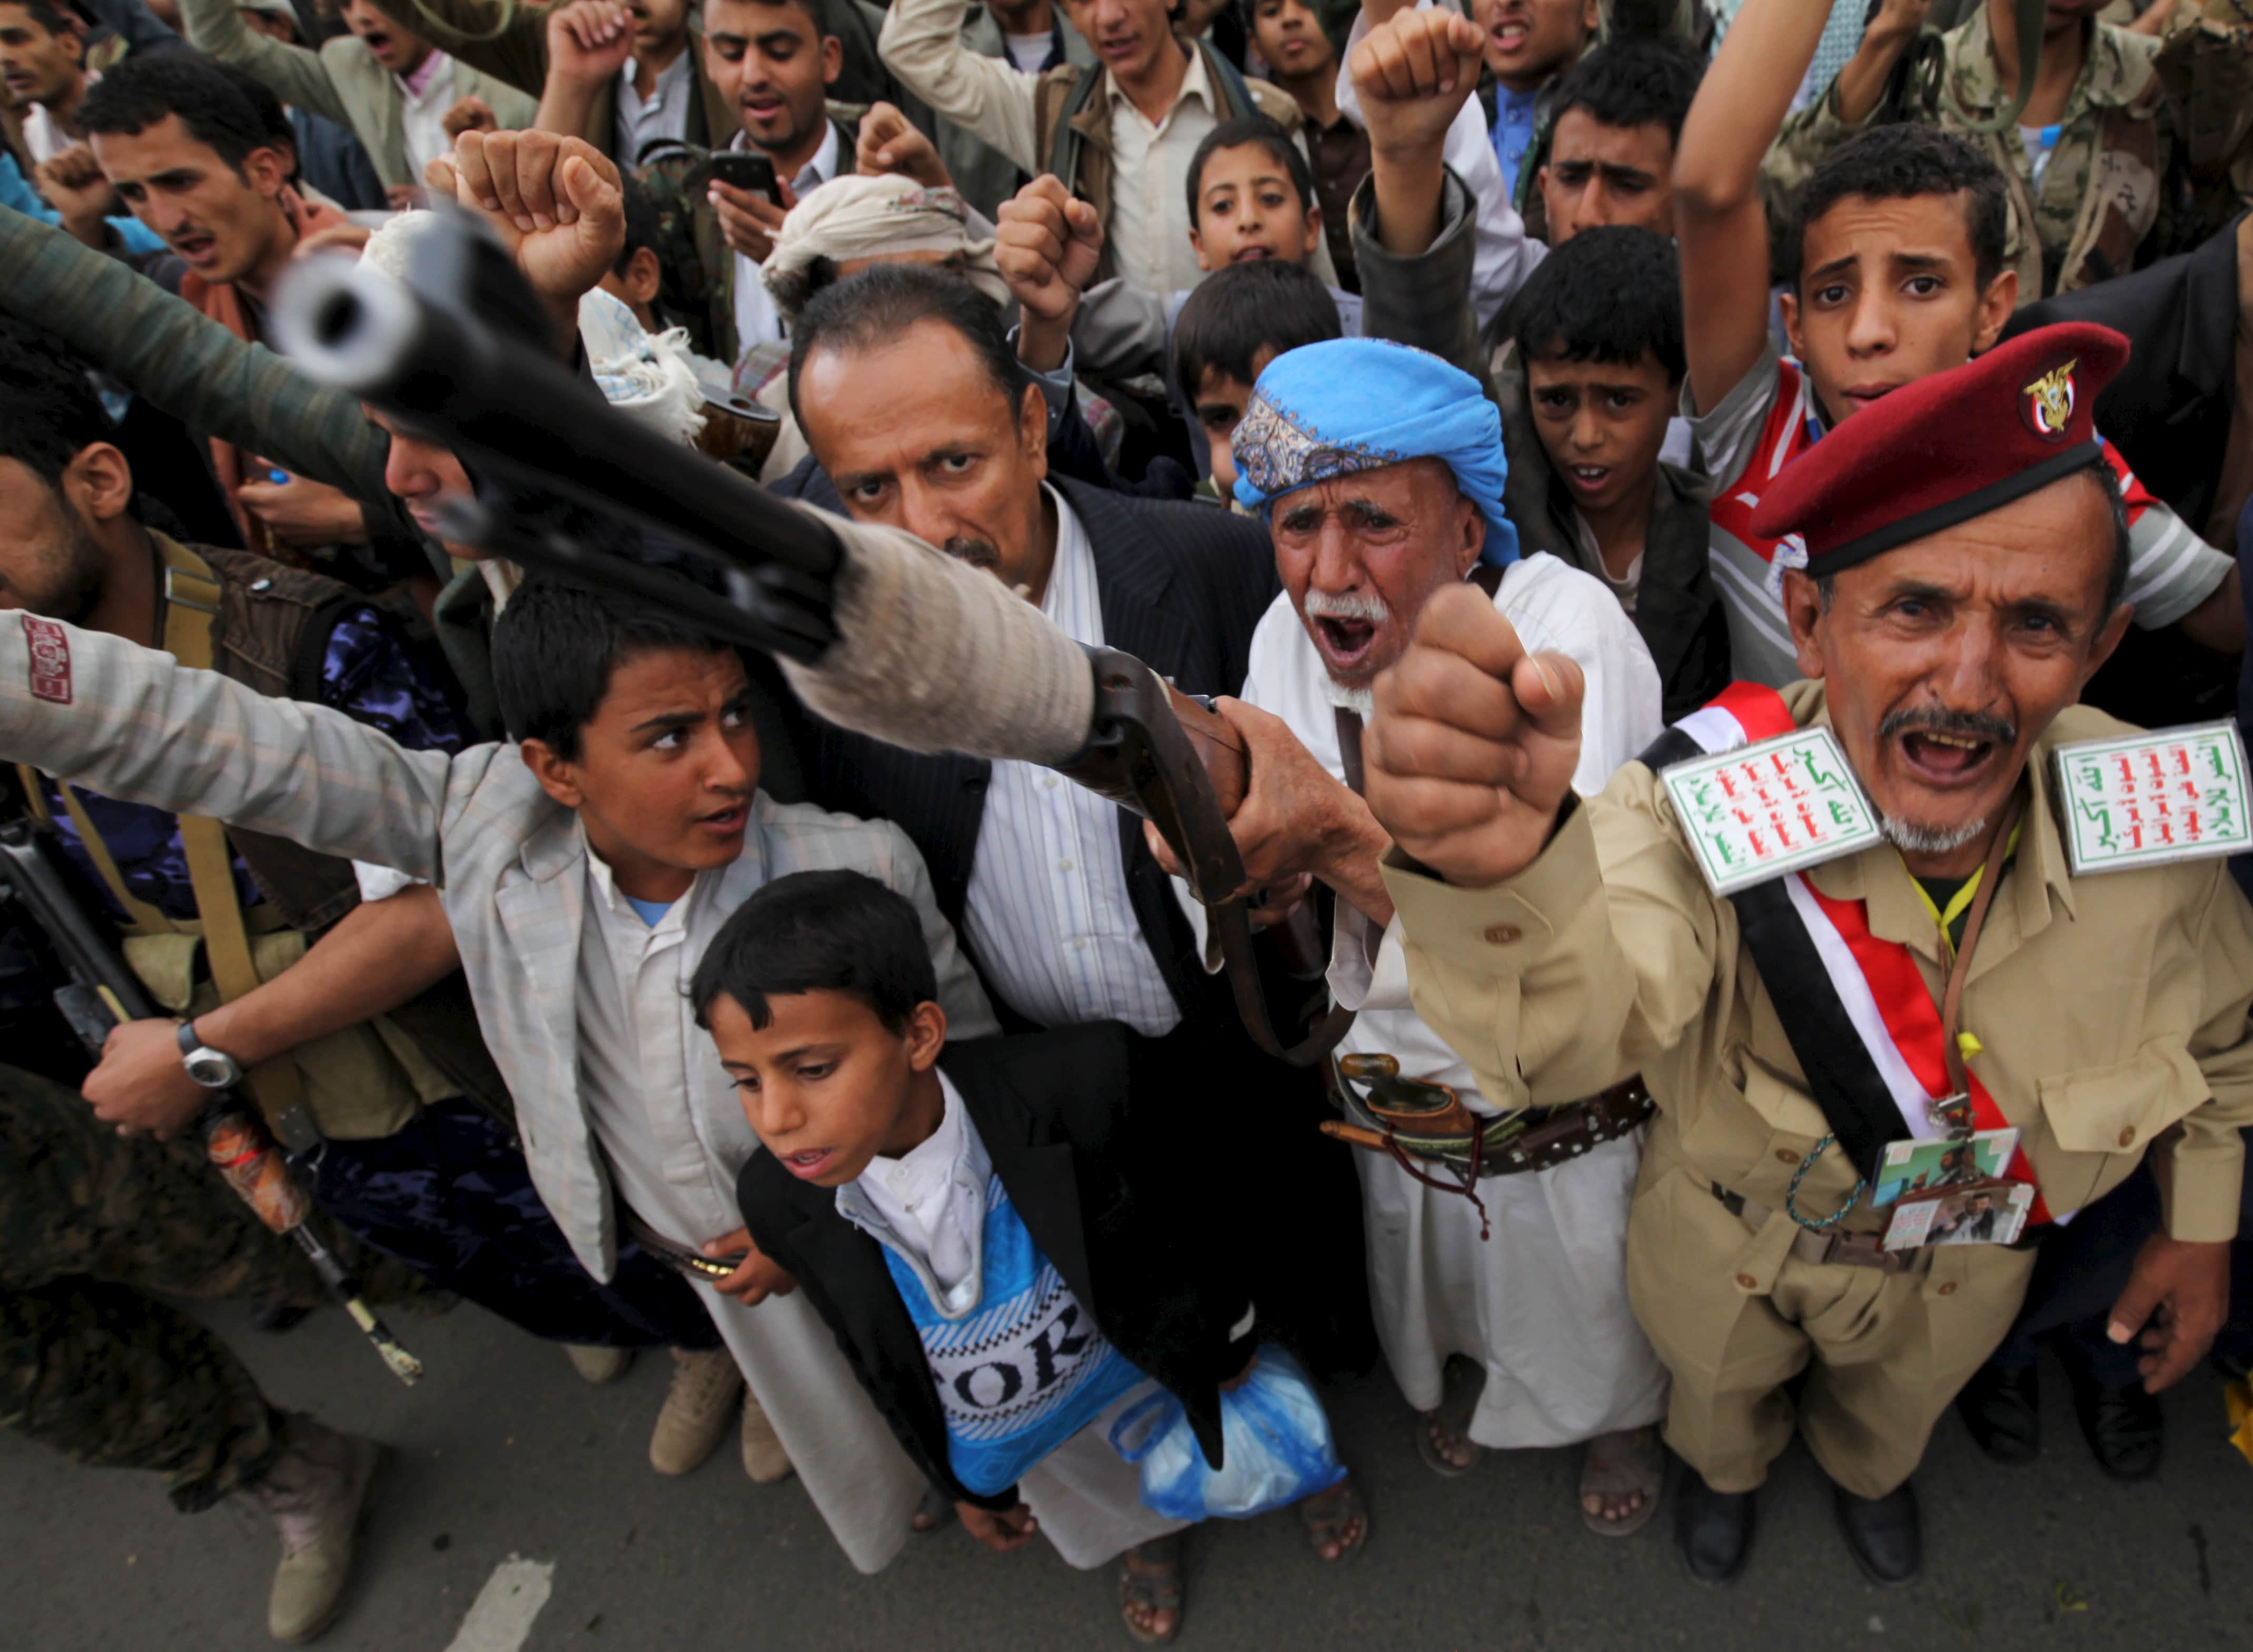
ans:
x=1966 y=553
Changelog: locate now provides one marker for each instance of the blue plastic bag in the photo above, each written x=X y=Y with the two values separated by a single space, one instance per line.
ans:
x=1275 y=1447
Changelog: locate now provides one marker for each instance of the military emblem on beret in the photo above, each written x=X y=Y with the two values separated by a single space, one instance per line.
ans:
x=2045 y=404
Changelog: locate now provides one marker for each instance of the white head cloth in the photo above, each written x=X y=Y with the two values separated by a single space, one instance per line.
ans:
x=859 y=217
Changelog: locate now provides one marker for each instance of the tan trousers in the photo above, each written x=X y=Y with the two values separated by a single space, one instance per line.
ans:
x=1734 y=1316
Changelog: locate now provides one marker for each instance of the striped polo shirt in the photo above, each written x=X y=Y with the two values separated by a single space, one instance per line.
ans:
x=1771 y=418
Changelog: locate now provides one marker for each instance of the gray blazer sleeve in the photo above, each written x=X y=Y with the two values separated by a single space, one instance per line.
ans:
x=1424 y=300
x=185 y=363
x=129 y=722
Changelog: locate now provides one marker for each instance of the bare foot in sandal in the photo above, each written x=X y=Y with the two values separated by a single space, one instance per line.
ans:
x=1620 y=1481
x=1444 y=1452
x=1150 y=1590
x=1336 y=1523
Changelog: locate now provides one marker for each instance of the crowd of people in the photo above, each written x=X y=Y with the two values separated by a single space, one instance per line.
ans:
x=1686 y=548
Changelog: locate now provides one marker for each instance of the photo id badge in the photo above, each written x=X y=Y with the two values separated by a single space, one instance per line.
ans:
x=1975 y=1213
x=2152 y=798
x=1925 y=1163
x=1781 y=806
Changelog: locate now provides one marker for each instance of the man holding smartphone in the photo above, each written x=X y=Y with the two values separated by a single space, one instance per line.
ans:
x=774 y=61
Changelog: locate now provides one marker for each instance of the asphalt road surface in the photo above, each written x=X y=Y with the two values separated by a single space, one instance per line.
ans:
x=518 y=1511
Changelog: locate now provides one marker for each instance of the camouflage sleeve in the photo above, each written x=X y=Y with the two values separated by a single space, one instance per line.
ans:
x=1808 y=136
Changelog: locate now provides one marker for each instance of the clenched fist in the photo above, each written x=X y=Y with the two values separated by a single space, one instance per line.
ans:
x=1047 y=244
x=1472 y=746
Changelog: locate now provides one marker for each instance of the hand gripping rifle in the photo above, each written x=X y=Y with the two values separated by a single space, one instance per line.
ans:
x=102 y=992
x=877 y=631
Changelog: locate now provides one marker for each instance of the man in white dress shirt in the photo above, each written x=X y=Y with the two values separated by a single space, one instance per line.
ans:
x=1379 y=469
x=905 y=386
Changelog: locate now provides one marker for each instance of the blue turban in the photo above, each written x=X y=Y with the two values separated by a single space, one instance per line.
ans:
x=1344 y=404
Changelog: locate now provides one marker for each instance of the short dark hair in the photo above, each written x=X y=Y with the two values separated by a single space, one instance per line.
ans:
x=1610 y=294
x=1892 y=163
x=47 y=15
x=2099 y=470
x=1242 y=132
x=817 y=9
x=1632 y=80
x=555 y=647
x=883 y=301
x=641 y=220
x=220 y=105
x=49 y=414
x=819 y=932
x=1236 y=312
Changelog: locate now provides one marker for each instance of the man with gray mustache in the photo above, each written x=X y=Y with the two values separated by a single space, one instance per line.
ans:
x=1961 y=969
x=1378 y=470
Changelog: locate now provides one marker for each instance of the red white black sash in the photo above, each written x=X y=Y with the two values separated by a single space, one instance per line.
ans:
x=1856 y=1009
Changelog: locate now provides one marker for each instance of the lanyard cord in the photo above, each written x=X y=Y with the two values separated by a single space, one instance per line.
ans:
x=1959 y=962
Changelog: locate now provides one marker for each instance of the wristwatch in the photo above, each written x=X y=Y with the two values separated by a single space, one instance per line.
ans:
x=213 y=1068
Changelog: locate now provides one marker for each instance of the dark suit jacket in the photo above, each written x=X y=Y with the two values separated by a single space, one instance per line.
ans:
x=2169 y=412
x=1095 y=1179
x=1182 y=588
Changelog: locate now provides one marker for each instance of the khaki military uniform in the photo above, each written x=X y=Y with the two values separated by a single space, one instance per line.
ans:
x=2112 y=1014
x=2100 y=198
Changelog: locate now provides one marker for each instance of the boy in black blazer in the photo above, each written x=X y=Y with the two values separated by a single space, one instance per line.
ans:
x=1005 y=1254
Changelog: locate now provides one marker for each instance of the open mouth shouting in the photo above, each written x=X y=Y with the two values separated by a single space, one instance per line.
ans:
x=1346 y=629
x=1948 y=751
x=809 y=1163
x=1588 y=478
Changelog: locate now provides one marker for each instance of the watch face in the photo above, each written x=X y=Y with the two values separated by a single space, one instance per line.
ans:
x=212 y=1071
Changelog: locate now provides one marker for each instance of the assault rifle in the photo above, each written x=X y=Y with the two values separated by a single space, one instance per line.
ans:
x=102 y=992
x=446 y=354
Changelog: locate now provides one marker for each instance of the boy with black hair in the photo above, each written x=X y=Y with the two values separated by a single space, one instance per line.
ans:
x=1003 y=1236
x=585 y=866
x=639 y=276
x=1896 y=261
x=1238 y=320
x=1289 y=37
x=1598 y=338
x=1614 y=119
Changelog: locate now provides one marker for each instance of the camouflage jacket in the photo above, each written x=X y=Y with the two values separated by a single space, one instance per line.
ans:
x=2104 y=195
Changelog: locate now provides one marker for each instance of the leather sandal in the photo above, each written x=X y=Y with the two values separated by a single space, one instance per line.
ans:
x=1633 y=1460
x=1437 y=1460
x=1328 y=1515
x=1157 y=1588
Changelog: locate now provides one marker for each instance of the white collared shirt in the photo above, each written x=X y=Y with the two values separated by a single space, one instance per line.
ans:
x=758 y=321
x=665 y=113
x=1048 y=916
x=422 y=114
x=1149 y=226
x=933 y=1196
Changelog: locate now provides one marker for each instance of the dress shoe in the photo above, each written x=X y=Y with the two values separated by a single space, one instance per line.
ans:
x=2002 y=1407
x=2124 y=1426
x=1883 y=1534
x=1713 y=1530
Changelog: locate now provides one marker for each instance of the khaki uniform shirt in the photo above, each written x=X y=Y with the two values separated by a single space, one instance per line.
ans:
x=2083 y=177
x=2112 y=1008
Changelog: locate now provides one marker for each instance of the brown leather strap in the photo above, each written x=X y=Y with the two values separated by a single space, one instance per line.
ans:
x=1959 y=965
x=1351 y=920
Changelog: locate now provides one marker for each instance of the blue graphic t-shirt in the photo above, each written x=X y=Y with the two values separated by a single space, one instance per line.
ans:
x=1024 y=1369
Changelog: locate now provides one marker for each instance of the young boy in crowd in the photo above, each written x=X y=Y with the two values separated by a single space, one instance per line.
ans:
x=1006 y=1252
x=1528 y=44
x=585 y=868
x=1251 y=200
x=1599 y=338
x=1896 y=267
x=1240 y=319
x=1614 y=119
x=1288 y=39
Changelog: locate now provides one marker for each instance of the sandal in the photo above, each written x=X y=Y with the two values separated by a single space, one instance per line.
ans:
x=1329 y=1516
x=1435 y=1458
x=1616 y=1464
x=1154 y=1587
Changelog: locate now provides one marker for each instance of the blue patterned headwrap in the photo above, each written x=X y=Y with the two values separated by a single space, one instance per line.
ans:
x=1358 y=404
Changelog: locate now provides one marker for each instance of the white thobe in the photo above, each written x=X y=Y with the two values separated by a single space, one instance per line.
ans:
x=1540 y=1306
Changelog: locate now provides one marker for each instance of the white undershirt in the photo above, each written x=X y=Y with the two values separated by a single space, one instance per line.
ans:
x=1029 y=52
x=933 y=1196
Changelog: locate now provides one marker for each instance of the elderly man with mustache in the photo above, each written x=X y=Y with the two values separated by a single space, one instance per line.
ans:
x=1956 y=966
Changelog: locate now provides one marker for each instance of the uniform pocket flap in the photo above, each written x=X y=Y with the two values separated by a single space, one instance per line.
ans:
x=2120 y=1108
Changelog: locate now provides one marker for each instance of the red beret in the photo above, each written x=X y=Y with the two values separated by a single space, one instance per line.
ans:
x=1946 y=447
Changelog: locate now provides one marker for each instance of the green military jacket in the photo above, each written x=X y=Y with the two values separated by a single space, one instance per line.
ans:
x=2104 y=193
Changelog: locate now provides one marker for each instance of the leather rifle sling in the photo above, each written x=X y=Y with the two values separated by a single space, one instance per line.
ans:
x=191 y=596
